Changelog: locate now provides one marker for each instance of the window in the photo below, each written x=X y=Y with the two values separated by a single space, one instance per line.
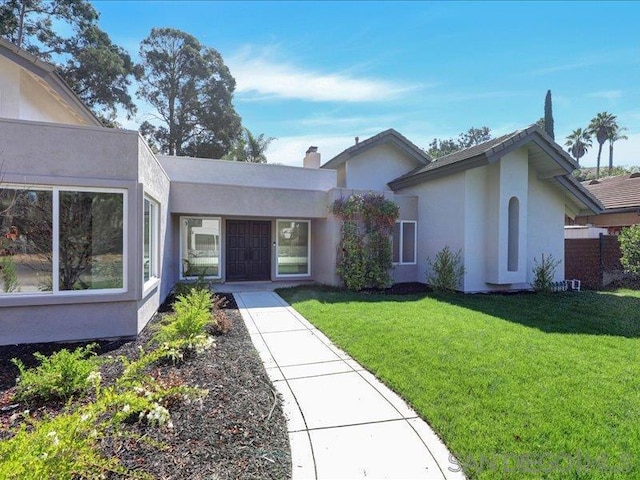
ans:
x=293 y=248
x=200 y=239
x=514 y=234
x=404 y=242
x=150 y=241
x=61 y=240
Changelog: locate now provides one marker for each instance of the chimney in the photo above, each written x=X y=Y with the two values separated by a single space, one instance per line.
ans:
x=357 y=140
x=312 y=158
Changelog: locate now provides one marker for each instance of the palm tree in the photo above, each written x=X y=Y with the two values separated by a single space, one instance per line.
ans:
x=578 y=143
x=249 y=148
x=256 y=147
x=615 y=134
x=601 y=126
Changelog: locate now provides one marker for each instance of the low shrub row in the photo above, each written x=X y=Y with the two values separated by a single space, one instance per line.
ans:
x=67 y=445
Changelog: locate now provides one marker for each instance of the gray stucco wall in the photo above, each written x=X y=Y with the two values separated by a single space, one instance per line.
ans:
x=156 y=185
x=44 y=154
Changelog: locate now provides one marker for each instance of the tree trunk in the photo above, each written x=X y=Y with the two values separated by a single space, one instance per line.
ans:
x=599 y=155
x=610 y=157
x=23 y=12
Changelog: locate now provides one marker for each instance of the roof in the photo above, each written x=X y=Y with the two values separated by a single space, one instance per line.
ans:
x=541 y=149
x=616 y=193
x=388 y=136
x=489 y=152
x=47 y=74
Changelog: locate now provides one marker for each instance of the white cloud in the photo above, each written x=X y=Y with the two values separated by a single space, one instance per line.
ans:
x=606 y=94
x=291 y=150
x=561 y=68
x=260 y=78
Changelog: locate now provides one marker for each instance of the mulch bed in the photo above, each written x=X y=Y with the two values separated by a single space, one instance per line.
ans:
x=237 y=432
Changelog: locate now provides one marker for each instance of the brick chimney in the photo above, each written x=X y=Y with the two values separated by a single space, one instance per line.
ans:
x=312 y=158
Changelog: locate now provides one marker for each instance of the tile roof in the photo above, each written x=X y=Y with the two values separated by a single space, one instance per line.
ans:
x=622 y=191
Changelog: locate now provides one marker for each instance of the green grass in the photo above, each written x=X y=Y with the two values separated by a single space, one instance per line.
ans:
x=519 y=386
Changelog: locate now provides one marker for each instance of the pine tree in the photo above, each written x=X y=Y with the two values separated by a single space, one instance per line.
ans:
x=548 y=115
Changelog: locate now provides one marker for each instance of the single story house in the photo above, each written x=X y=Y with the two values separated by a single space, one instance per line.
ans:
x=95 y=229
x=620 y=196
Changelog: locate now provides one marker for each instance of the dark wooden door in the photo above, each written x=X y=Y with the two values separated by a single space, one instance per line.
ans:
x=248 y=250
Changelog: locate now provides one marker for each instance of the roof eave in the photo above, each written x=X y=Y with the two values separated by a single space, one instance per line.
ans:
x=581 y=194
x=446 y=170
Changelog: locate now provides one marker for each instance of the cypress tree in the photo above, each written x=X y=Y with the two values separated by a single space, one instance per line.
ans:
x=548 y=115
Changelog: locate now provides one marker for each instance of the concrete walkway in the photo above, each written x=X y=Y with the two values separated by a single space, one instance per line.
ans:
x=343 y=423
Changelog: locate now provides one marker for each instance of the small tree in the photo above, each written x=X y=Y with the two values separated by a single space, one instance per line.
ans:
x=543 y=273
x=446 y=270
x=629 y=239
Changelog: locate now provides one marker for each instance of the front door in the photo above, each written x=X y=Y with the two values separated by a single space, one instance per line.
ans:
x=248 y=250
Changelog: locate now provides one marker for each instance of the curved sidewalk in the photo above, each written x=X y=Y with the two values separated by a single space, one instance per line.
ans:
x=343 y=423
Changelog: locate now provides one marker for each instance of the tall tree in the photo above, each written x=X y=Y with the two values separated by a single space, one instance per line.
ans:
x=249 y=148
x=615 y=134
x=192 y=90
x=578 y=143
x=601 y=126
x=548 y=115
x=96 y=69
x=474 y=136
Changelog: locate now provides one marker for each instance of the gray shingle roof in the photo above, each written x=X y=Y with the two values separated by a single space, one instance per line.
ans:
x=470 y=156
x=388 y=136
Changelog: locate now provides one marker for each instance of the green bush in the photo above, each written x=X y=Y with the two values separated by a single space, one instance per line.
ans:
x=543 y=273
x=364 y=253
x=65 y=446
x=59 y=376
x=8 y=275
x=629 y=239
x=189 y=322
x=446 y=270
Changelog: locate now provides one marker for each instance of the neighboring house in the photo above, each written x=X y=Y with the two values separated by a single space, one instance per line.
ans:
x=99 y=228
x=620 y=196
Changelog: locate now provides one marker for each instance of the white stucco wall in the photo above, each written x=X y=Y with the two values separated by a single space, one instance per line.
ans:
x=374 y=168
x=542 y=206
x=545 y=219
x=507 y=178
x=441 y=206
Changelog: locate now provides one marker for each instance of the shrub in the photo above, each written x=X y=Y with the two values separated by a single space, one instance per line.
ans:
x=65 y=446
x=543 y=273
x=8 y=275
x=446 y=270
x=59 y=376
x=186 y=328
x=629 y=239
x=364 y=253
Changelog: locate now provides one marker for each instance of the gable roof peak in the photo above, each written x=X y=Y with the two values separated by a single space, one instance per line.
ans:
x=389 y=135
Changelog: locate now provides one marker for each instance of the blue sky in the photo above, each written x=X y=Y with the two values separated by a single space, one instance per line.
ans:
x=321 y=73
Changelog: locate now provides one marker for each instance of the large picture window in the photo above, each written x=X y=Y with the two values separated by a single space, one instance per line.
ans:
x=293 y=248
x=404 y=242
x=200 y=238
x=61 y=240
x=150 y=241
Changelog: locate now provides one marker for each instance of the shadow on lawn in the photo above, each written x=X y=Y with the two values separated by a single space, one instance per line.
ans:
x=586 y=312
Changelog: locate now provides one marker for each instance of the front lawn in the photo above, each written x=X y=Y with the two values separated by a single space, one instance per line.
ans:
x=518 y=386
